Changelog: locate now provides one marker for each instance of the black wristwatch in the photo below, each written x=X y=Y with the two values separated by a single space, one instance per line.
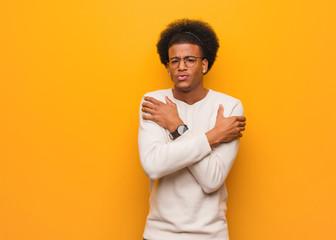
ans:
x=178 y=132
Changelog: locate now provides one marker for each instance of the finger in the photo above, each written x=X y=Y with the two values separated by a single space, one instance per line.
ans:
x=242 y=124
x=148 y=105
x=240 y=135
x=220 y=111
x=152 y=100
x=168 y=100
x=147 y=117
x=147 y=110
x=241 y=129
x=241 y=118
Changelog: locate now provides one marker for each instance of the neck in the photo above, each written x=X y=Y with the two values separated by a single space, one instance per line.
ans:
x=190 y=97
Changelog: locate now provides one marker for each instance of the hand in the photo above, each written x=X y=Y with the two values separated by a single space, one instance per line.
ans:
x=164 y=114
x=226 y=129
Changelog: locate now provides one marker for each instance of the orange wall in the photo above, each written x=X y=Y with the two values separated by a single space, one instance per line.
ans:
x=72 y=74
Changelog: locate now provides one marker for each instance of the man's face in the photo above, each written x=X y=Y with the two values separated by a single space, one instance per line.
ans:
x=186 y=78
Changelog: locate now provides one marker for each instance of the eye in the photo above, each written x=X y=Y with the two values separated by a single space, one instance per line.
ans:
x=174 y=61
x=191 y=60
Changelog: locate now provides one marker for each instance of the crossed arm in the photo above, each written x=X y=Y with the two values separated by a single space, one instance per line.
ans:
x=166 y=115
x=208 y=156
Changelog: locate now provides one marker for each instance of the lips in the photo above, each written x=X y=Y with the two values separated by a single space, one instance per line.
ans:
x=182 y=77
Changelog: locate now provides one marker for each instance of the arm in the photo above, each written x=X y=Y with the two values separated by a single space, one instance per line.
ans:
x=160 y=156
x=213 y=169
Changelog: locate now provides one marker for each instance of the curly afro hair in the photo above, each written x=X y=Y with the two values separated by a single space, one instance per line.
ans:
x=189 y=31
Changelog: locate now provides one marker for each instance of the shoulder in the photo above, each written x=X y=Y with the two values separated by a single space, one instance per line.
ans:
x=224 y=98
x=232 y=105
x=159 y=94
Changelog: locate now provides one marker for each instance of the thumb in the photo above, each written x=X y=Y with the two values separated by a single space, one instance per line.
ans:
x=220 y=112
x=168 y=101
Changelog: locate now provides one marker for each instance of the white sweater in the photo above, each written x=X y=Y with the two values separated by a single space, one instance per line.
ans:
x=187 y=190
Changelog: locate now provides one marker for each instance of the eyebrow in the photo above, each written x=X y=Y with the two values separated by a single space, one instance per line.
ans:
x=184 y=57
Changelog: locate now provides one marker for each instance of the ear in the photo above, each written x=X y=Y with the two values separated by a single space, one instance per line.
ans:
x=167 y=67
x=205 y=65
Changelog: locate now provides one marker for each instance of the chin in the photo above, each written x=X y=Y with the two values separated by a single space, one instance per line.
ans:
x=182 y=88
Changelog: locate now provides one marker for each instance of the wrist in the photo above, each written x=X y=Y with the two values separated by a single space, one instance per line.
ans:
x=212 y=137
x=174 y=125
x=178 y=132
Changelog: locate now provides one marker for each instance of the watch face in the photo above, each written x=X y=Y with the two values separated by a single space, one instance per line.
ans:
x=181 y=129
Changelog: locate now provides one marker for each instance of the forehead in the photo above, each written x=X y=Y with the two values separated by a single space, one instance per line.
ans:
x=184 y=49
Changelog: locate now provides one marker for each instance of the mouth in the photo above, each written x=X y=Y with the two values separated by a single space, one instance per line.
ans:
x=182 y=77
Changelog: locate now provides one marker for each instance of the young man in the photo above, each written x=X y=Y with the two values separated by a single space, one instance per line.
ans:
x=188 y=140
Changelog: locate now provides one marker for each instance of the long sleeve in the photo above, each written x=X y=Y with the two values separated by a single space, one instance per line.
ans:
x=160 y=156
x=183 y=171
x=213 y=169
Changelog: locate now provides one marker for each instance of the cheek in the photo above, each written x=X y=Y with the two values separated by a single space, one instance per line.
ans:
x=198 y=73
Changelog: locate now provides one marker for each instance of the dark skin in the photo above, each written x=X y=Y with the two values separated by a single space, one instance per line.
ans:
x=188 y=87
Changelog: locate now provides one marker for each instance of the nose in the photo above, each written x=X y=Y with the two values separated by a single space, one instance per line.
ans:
x=182 y=65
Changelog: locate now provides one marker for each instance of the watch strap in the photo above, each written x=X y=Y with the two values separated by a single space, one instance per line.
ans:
x=176 y=134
